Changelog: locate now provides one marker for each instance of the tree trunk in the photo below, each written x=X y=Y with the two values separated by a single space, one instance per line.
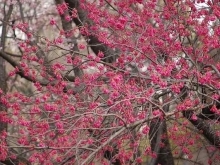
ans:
x=158 y=136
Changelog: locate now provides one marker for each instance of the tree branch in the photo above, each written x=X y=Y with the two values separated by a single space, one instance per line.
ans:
x=95 y=44
x=207 y=131
x=15 y=64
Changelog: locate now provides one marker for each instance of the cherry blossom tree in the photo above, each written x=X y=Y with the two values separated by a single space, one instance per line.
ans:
x=109 y=81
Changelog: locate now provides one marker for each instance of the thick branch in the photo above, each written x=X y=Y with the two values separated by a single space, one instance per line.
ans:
x=21 y=73
x=67 y=27
x=95 y=44
x=207 y=114
x=200 y=123
x=15 y=64
x=208 y=132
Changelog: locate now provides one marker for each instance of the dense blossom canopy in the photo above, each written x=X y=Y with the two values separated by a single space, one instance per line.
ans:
x=118 y=81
